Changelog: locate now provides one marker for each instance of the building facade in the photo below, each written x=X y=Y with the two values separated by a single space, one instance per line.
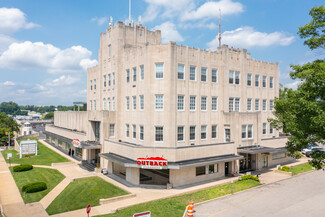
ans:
x=203 y=113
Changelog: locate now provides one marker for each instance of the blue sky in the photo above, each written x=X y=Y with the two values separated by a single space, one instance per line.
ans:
x=46 y=46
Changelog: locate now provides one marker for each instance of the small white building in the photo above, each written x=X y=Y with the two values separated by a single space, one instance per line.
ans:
x=26 y=129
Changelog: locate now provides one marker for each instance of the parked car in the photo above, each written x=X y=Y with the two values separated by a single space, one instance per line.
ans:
x=307 y=149
x=313 y=149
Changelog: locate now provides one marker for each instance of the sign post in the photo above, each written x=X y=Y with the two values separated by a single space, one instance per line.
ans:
x=9 y=155
x=88 y=209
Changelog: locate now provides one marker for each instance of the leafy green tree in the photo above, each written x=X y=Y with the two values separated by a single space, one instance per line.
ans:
x=7 y=124
x=301 y=112
x=10 y=108
x=49 y=115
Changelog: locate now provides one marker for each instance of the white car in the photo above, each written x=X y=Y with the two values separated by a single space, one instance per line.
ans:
x=308 y=149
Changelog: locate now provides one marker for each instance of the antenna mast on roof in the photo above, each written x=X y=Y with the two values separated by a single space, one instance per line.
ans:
x=219 y=34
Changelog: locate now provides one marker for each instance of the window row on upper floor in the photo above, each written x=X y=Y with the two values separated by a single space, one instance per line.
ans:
x=234 y=104
x=234 y=78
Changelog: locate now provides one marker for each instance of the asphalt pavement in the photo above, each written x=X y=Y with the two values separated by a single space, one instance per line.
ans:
x=302 y=195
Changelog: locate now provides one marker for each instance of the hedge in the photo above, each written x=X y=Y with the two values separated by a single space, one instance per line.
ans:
x=22 y=167
x=285 y=168
x=245 y=177
x=34 y=187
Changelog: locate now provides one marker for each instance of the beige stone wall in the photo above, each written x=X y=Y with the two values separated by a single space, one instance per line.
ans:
x=66 y=133
x=72 y=120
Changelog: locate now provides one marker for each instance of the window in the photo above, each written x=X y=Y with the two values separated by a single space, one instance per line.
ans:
x=91 y=105
x=264 y=81
x=271 y=105
x=159 y=104
x=264 y=104
x=127 y=103
x=227 y=135
x=111 y=130
x=134 y=74
x=243 y=131
x=237 y=77
x=94 y=104
x=141 y=102
x=109 y=103
x=250 y=131
x=109 y=50
x=204 y=74
x=249 y=104
x=159 y=135
x=214 y=102
x=264 y=128
x=113 y=104
x=113 y=78
x=141 y=132
x=271 y=129
x=249 y=80
x=134 y=102
x=278 y=156
x=231 y=104
x=142 y=72
x=192 y=102
x=91 y=84
x=214 y=131
x=257 y=104
x=192 y=132
x=271 y=82
x=109 y=79
x=203 y=103
x=127 y=130
x=104 y=104
x=257 y=80
x=94 y=84
x=231 y=77
x=214 y=75
x=200 y=171
x=134 y=131
x=127 y=76
x=192 y=73
x=203 y=132
x=104 y=80
x=180 y=133
x=180 y=103
x=159 y=70
x=237 y=104
x=180 y=70
x=211 y=168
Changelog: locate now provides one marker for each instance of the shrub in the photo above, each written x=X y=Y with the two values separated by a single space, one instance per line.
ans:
x=22 y=167
x=285 y=168
x=246 y=177
x=34 y=187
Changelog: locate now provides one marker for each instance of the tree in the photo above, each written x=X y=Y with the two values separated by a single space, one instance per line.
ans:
x=301 y=112
x=7 y=124
x=49 y=115
x=10 y=108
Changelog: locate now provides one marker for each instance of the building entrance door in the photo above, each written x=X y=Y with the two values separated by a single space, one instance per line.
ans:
x=265 y=161
x=226 y=168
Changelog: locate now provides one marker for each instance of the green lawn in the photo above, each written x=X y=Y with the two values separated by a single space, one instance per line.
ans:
x=175 y=206
x=45 y=156
x=301 y=168
x=80 y=193
x=51 y=177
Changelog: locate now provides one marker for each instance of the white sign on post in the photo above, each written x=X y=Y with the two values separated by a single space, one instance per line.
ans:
x=143 y=214
x=9 y=155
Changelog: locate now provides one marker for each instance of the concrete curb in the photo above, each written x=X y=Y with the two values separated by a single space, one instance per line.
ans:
x=114 y=199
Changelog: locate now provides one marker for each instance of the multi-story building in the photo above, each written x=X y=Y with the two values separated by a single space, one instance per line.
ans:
x=203 y=111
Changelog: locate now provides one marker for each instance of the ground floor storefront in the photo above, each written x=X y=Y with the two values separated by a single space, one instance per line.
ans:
x=160 y=172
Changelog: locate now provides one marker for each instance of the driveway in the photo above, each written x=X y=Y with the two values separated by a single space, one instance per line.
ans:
x=302 y=195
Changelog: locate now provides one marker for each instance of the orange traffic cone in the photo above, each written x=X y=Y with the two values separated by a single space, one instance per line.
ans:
x=190 y=209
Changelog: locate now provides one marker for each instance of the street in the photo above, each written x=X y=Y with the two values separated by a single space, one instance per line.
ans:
x=302 y=195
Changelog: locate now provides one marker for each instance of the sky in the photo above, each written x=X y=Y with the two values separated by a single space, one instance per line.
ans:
x=46 y=46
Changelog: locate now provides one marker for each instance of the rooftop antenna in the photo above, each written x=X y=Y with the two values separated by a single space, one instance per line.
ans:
x=219 y=34
x=111 y=21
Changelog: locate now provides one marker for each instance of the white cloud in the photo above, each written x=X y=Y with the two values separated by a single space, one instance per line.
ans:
x=12 y=20
x=169 y=32
x=9 y=83
x=246 y=37
x=88 y=63
x=293 y=85
x=63 y=80
x=29 y=55
x=99 y=20
x=5 y=41
x=199 y=25
x=210 y=9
